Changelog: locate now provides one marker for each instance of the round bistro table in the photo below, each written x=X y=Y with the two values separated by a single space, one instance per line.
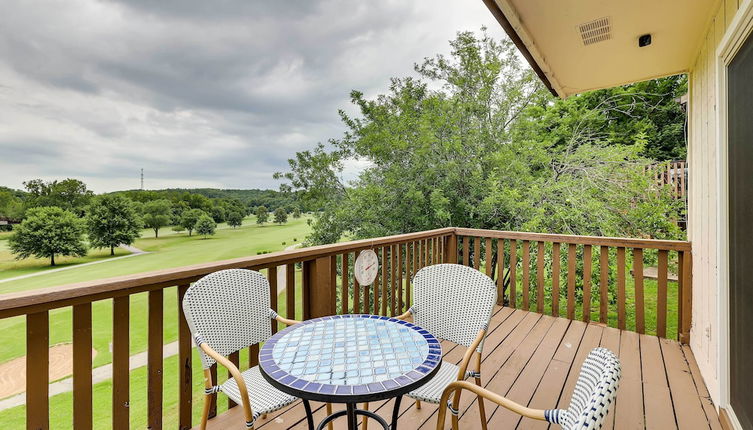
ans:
x=350 y=359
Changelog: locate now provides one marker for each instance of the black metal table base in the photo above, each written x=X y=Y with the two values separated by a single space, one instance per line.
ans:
x=352 y=412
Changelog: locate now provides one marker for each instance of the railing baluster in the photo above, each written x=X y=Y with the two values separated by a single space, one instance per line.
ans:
x=399 y=279
x=500 y=271
x=477 y=253
x=556 y=279
x=393 y=278
x=375 y=285
x=452 y=249
x=540 y=277
x=213 y=404
x=154 y=359
x=290 y=291
x=640 y=320
x=604 y=284
x=82 y=366
x=513 y=273
x=466 y=250
x=661 y=303
x=273 y=292
x=436 y=244
x=488 y=252
x=526 y=274
x=385 y=278
x=37 y=376
x=571 y=281
x=621 y=288
x=587 y=283
x=234 y=358
x=185 y=373
x=120 y=361
x=345 y=286
x=357 y=289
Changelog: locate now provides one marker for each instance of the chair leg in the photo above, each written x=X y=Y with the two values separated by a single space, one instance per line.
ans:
x=481 y=409
x=330 y=426
x=365 y=420
x=205 y=413
x=455 y=422
x=418 y=404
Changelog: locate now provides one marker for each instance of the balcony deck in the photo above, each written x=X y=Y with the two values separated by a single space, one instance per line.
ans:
x=534 y=359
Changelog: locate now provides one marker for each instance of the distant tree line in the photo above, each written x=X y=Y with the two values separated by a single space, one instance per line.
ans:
x=66 y=218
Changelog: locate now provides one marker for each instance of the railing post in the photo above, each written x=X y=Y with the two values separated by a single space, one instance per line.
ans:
x=37 y=370
x=686 y=295
x=318 y=289
x=82 y=366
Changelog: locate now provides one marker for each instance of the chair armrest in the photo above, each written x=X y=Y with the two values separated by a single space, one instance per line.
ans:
x=457 y=386
x=404 y=316
x=236 y=374
x=286 y=321
x=463 y=368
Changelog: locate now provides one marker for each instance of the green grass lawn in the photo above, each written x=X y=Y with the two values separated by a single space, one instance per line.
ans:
x=168 y=251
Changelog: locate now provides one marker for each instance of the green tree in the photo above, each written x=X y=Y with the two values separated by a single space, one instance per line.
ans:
x=234 y=219
x=205 y=225
x=219 y=214
x=69 y=194
x=111 y=221
x=262 y=215
x=483 y=146
x=46 y=232
x=189 y=219
x=296 y=212
x=157 y=214
x=281 y=216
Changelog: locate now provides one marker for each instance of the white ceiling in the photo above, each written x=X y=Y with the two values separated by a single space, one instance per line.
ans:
x=549 y=28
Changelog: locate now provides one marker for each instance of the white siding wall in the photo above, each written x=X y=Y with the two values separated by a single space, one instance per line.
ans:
x=703 y=198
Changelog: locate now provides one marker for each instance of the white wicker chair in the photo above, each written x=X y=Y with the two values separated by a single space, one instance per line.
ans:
x=455 y=303
x=226 y=312
x=592 y=398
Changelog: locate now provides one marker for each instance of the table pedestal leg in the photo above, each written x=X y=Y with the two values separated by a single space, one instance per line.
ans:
x=396 y=412
x=309 y=415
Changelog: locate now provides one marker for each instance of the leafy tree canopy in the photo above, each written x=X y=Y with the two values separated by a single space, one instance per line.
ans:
x=205 y=225
x=69 y=194
x=476 y=141
x=157 y=214
x=111 y=220
x=189 y=218
x=281 y=216
x=234 y=219
x=262 y=215
x=47 y=232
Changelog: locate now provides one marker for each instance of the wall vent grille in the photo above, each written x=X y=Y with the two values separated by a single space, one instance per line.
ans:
x=596 y=31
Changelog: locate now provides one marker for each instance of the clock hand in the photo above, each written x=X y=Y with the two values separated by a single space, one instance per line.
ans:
x=369 y=266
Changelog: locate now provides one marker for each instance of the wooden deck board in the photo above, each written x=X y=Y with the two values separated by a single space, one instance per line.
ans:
x=535 y=360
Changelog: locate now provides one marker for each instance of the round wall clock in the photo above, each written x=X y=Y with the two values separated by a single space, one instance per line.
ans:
x=366 y=267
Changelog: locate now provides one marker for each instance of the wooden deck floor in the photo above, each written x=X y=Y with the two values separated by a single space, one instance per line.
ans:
x=535 y=359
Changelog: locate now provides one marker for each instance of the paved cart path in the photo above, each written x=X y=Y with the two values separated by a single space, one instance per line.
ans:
x=133 y=253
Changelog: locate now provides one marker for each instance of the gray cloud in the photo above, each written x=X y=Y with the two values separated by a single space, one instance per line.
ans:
x=197 y=93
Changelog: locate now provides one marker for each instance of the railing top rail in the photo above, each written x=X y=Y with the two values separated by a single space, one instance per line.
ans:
x=20 y=303
x=669 y=245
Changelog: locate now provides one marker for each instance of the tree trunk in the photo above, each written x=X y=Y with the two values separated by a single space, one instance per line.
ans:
x=112 y=250
x=52 y=260
x=156 y=233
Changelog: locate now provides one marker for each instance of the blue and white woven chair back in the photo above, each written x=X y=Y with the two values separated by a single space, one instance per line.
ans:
x=454 y=302
x=229 y=310
x=594 y=393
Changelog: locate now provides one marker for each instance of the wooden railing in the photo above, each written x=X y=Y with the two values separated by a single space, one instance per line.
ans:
x=671 y=173
x=319 y=281
x=587 y=277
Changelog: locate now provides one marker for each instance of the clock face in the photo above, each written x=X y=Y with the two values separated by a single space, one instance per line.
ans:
x=366 y=267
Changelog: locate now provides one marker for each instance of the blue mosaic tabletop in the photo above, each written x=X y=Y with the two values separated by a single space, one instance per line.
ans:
x=350 y=355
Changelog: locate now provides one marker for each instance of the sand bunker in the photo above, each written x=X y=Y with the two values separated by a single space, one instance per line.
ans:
x=13 y=372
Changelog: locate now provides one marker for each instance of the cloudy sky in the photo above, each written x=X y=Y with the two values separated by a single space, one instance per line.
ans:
x=197 y=93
